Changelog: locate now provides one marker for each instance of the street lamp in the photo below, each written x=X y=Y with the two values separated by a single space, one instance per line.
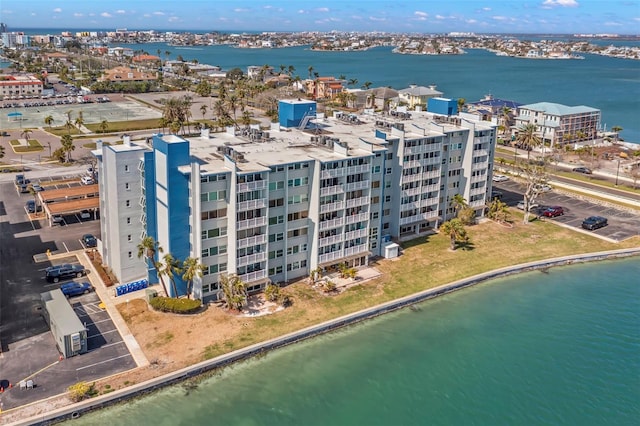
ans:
x=617 y=172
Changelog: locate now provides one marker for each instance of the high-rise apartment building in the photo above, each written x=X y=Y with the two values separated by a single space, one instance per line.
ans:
x=274 y=205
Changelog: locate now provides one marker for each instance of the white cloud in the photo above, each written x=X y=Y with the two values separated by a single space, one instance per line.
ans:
x=486 y=9
x=120 y=12
x=561 y=3
x=612 y=24
x=78 y=15
x=173 y=19
x=500 y=18
x=373 y=18
x=421 y=14
x=440 y=17
x=106 y=15
x=33 y=14
x=322 y=9
x=57 y=10
x=92 y=14
x=240 y=10
x=471 y=21
x=146 y=15
x=158 y=13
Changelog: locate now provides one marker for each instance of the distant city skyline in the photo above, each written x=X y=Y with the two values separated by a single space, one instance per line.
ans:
x=421 y=16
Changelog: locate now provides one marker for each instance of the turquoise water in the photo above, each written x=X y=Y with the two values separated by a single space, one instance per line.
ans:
x=534 y=349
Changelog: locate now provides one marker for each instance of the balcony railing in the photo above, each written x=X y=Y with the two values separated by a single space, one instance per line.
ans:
x=431 y=174
x=330 y=224
x=362 y=168
x=412 y=178
x=480 y=166
x=478 y=178
x=477 y=191
x=355 y=234
x=355 y=218
x=412 y=191
x=251 y=186
x=338 y=205
x=354 y=186
x=328 y=257
x=480 y=152
x=331 y=173
x=252 y=223
x=362 y=248
x=252 y=258
x=334 y=239
x=252 y=205
x=356 y=202
x=252 y=241
x=330 y=190
x=477 y=203
x=253 y=276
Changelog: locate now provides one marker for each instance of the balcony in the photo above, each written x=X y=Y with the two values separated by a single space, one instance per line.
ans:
x=412 y=178
x=478 y=203
x=338 y=205
x=331 y=190
x=355 y=218
x=331 y=173
x=251 y=223
x=330 y=224
x=478 y=178
x=480 y=166
x=334 y=239
x=253 y=276
x=362 y=248
x=411 y=164
x=477 y=191
x=252 y=258
x=252 y=186
x=431 y=188
x=480 y=152
x=252 y=241
x=328 y=257
x=355 y=234
x=431 y=160
x=357 y=202
x=354 y=186
x=431 y=174
x=362 y=168
x=252 y=205
x=412 y=191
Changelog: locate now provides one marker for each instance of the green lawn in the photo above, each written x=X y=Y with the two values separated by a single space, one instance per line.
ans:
x=61 y=130
x=123 y=126
x=34 y=146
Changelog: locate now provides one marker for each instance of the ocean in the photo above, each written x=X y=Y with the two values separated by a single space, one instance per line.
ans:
x=609 y=84
x=553 y=348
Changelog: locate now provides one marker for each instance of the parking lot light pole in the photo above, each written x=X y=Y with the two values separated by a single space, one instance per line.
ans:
x=617 y=172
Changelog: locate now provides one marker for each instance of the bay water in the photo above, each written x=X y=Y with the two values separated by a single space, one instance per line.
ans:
x=556 y=348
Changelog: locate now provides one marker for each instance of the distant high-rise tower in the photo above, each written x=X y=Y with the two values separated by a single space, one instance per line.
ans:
x=3 y=27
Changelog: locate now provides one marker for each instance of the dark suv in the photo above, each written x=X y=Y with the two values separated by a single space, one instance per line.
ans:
x=594 y=222
x=61 y=272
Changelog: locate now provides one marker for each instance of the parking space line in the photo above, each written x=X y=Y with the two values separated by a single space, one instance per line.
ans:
x=65 y=247
x=101 y=333
x=106 y=346
x=104 y=320
x=102 y=362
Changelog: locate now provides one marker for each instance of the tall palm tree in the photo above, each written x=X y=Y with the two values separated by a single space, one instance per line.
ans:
x=234 y=291
x=352 y=82
x=505 y=114
x=26 y=133
x=48 y=120
x=149 y=248
x=103 y=126
x=456 y=231
x=2 y=152
x=191 y=268
x=461 y=103
x=170 y=267
x=617 y=130
x=310 y=69
x=79 y=120
x=203 y=110
x=528 y=138
x=67 y=146
x=366 y=85
x=458 y=202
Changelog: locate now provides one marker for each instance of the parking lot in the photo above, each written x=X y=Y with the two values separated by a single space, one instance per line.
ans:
x=28 y=347
x=622 y=224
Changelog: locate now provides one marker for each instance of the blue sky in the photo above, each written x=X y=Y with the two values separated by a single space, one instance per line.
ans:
x=424 y=16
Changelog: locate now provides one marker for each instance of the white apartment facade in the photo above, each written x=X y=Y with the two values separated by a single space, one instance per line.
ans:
x=274 y=205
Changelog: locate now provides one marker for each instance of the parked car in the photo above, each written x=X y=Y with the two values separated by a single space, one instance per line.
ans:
x=89 y=240
x=500 y=178
x=594 y=222
x=57 y=219
x=585 y=170
x=65 y=271
x=531 y=205
x=85 y=214
x=30 y=206
x=36 y=187
x=543 y=187
x=75 y=289
x=496 y=195
x=87 y=180
x=553 y=211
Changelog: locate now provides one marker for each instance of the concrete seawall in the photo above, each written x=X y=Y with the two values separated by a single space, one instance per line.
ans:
x=75 y=410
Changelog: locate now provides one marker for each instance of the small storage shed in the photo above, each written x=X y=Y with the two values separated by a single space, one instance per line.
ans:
x=391 y=250
x=67 y=329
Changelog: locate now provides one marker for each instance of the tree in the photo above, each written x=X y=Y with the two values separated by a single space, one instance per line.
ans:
x=67 y=146
x=191 y=268
x=527 y=138
x=366 y=85
x=352 y=82
x=458 y=202
x=535 y=177
x=456 y=231
x=79 y=120
x=234 y=291
x=315 y=275
x=2 y=152
x=617 y=130
x=461 y=103
x=169 y=267
x=203 y=110
x=272 y=292
x=498 y=211
x=26 y=133
x=149 y=248
x=48 y=120
x=103 y=126
x=203 y=89
x=310 y=69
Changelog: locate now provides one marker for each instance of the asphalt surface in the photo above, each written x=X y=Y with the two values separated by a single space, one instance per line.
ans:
x=28 y=347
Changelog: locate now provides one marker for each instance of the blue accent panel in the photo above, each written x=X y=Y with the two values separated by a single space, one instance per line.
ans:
x=177 y=155
x=291 y=113
x=381 y=135
x=150 y=195
x=443 y=106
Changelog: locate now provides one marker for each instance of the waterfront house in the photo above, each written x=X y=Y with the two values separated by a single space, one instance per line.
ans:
x=418 y=95
x=126 y=74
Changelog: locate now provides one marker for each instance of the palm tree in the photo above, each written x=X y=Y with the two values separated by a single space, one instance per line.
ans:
x=366 y=85
x=352 y=82
x=2 y=152
x=48 y=120
x=149 y=248
x=79 y=120
x=617 y=130
x=191 y=269
x=103 y=126
x=527 y=138
x=169 y=267
x=458 y=202
x=310 y=69
x=26 y=134
x=456 y=231
x=67 y=146
x=234 y=291
x=506 y=118
x=203 y=110
x=461 y=104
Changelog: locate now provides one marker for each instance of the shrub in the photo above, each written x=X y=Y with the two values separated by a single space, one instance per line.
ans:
x=272 y=292
x=80 y=391
x=176 y=306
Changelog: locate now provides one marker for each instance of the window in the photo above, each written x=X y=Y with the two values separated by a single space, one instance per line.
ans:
x=297 y=199
x=276 y=270
x=276 y=185
x=126 y=168
x=276 y=253
x=126 y=186
x=298 y=181
x=375 y=184
x=129 y=237
x=278 y=202
x=128 y=221
x=387 y=198
x=375 y=169
x=128 y=203
x=276 y=220
x=130 y=255
x=388 y=170
x=214 y=233
x=276 y=237
x=296 y=232
x=298 y=215
x=375 y=200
